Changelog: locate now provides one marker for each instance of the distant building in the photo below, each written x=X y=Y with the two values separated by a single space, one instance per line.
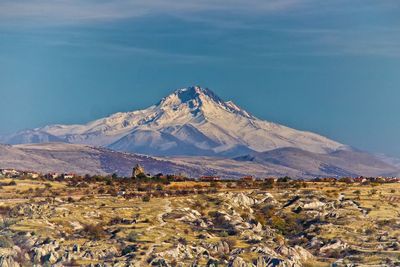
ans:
x=51 y=175
x=177 y=178
x=32 y=174
x=360 y=179
x=209 y=178
x=137 y=170
x=69 y=175
x=248 y=178
x=11 y=173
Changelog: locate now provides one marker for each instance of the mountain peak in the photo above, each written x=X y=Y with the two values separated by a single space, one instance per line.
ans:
x=197 y=99
x=196 y=92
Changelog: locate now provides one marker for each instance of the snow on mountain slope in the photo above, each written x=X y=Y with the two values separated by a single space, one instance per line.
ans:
x=190 y=121
x=30 y=136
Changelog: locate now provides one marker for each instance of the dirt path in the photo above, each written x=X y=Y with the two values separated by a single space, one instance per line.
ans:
x=160 y=224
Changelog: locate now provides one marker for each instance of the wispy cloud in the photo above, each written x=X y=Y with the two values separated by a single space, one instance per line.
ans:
x=78 y=11
x=124 y=50
x=279 y=28
x=92 y=10
x=320 y=42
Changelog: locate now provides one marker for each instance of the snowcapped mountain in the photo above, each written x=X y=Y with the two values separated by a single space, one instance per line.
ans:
x=226 y=140
x=190 y=121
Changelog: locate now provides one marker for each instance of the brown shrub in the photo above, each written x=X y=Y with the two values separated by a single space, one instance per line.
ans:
x=94 y=231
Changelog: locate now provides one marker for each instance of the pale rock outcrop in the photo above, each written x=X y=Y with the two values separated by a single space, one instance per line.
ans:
x=267 y=261
x=237 y=262
x=337 y=245
x=8 y=261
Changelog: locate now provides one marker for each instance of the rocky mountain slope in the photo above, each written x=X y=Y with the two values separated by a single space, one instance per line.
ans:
x=81 y=159
x=337 y=163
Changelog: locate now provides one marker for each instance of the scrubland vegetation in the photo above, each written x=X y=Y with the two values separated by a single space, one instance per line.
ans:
x=110 y=221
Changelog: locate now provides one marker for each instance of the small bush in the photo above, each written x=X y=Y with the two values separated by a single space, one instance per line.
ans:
x=223 y=234
x=182 y=240
x=94 y=231
x=6 y=222
x=159 y=187
x=132 y=237
x=6 y=242
x=146 y=198
x=261 y=219
x=5 y=210
x=129 y=249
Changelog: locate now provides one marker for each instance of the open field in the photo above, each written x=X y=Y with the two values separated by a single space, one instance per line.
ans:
x=131 y=223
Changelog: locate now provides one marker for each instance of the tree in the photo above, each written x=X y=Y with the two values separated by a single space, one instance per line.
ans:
x=146 y=198
x=268 y=183
x=141 y=176
x=284 y=179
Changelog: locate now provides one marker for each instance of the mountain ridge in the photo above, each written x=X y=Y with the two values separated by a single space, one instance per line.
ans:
x=193 y=120
x=84 y=159
x=195 y=128
x=338 y=163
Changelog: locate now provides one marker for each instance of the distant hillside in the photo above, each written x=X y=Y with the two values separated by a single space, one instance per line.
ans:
x=297 y=163
x=81 y=159
x=338 y=163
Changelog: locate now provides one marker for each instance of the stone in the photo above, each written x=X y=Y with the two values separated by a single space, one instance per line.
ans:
x=237 y=262
x=8 y=261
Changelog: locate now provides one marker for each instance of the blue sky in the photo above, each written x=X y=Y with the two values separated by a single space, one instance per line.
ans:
x=329 y=66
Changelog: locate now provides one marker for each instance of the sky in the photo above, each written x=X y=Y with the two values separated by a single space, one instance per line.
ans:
x=331 y=67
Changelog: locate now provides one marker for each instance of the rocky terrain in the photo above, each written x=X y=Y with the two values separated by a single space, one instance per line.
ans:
x=103 y=222
x=83 y=159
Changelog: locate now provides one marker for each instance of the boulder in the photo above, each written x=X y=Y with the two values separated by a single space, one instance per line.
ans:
x=237 y=262
x=267 y=261
x=222 y=247
x=336 y=245
x=315 y=205
x=179 y=252
x=50 y=258
x=8 y=261
x=159 y=262
x=212 y=263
